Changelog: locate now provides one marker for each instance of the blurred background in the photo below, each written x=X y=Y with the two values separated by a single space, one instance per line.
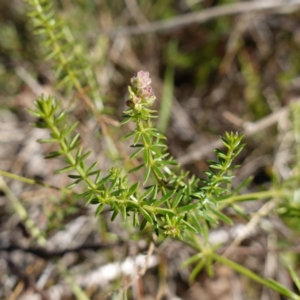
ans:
x=216 y=66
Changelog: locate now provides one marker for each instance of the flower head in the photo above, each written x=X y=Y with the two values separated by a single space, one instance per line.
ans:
x=141 y=80
x=140 y=94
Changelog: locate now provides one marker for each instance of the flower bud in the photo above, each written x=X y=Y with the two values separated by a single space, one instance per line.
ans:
x=129 y=103
x=136 y=99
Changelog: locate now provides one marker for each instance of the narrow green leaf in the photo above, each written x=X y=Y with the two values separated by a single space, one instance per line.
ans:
x=94 y=201
x=82 y=195
x=164 y=211
x=220 y=153
x=74 y=140
x=146 y=138
x=158 y=153
x=84 y=156
x=146 y=156
x=137 y=138
x=165 y=198
x=90 y=198
x=60 y=117
x=160 y=145
x=125 y=121
x=43 y=141
x=196 y=270
x=238 y=151
x=99 y=209
x=98 y=177
x=187 y=208
x=149 y=202
x=226 y=142
x=158 y=172
x=208 y=266
x=135 y=220
x=239 y=210
x=127 y=136
x=146 y=215
x=221 y=216
x=146 y=175
x=136 y=168
x=166 y=162
x=38 y=103
x=78 y=153
x=118 y=192
x=177 y=198
x=192 y=260
x=189 y=226
x=150 y=110
x=136 y=153
x=147 y=193
x=81 y=164
x=143 y=224
x=114 y=215
x=157 y=134
x=91 y=168
x=196 y=223
x=216 y=166
x=76 y=145
x=207 y=217
x=155 y=225
x=133 y=189
x=124 y=214
x=93 y=172
x=63 y=170
x=34 y=112
x=74 y=176
x=70 y=186
x=155 y=191
x=40 y=125
x=43 y=105
x=104 y=180
x=72 y=127
x=113 y=183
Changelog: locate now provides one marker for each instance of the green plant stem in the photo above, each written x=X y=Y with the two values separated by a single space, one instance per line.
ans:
x=33 y=181
x=140 y=126
x=63 y=60
x=67 y=153
x=251 y=196
x=56 y=46
x=38 y=236
x=110 y=200
x=22 y=213
x=246 y=272
x=76 y=289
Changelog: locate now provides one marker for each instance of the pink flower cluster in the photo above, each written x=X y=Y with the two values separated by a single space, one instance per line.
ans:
x=140 y=93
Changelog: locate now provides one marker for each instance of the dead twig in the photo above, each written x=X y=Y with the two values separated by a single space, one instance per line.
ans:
x=265 y=209
x=142 y=271
x=205 y=15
